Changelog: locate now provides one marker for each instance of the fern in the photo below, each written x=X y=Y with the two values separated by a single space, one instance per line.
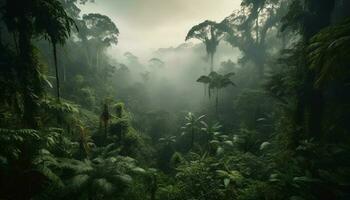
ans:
x=329 y=54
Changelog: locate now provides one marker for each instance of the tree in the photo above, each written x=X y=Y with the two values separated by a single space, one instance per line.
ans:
x=168 y=141
x=100 y=178
x=55 y=25
x=100 y=32
x=307 y=19
x=328 y=54
x=210 y=33
x=31 y=18
x=210 y=130
x=216 y=82
x=251 y=27
x=104 y=119
x=191 y=126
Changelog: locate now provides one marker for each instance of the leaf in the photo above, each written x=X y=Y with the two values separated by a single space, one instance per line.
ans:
x=229 y=143
x=201 y=117
x=227 y=182
x=204 y=123
x=220 y=151
x=102 y=184
x=214 y=142
x=222 y=173
x=261 y=119
x=139 y=170
x=79 y=181
x=305 y=179
x=264 y=145
x=204 y=79
x=48 y=83
x=274 y=178
x=125 y=178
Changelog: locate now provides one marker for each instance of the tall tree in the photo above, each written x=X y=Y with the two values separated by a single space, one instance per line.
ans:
x=250 y=28
x=307 y=18
x=54 y=23
x=191 y=126
x=210 y=33
x=216 y=82
x=100 y=32
x=30 y=19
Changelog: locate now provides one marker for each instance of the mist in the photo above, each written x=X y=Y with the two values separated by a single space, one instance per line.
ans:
x=174 y=100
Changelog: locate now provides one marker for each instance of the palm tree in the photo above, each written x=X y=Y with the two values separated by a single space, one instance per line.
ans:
x=191 y=125
x=168 y=141
x=100 y=178
x=216 y=82
x=210 y=33
x=210 y=130
x=28 y=19
x=55 y=25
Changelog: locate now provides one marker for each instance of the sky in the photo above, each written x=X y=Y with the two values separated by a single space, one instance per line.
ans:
x=146 y=25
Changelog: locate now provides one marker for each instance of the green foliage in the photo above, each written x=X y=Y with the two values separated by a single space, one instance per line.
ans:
x=285 y=139
x=216 y=82
x=119 y=109
x=328 y=54
x=199 y=180
x=99 y=178
x=191 y=126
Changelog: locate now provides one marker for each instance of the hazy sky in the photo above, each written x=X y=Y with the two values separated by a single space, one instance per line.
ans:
x=146 y=25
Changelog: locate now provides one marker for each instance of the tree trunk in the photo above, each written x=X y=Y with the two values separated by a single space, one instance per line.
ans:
x=56 y=70
x=15 y=41
x=211 y=62
x=257 y=28
x=209 y=91
x=154 y=187
x=97 y=58
x=64 y=73
x=106 y=132
x=27 y=72
x=217 y=101
x=192 y=137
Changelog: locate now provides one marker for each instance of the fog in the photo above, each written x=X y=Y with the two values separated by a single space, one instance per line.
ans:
x=147 y=25
x=174 y=99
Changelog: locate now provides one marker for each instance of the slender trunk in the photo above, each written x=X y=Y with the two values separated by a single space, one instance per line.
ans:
x=257 y=28
x=208 y=144
x=192 y=137
x=88 y=57
x=64 y=73
x=106 y=134
x=217 y=101
x=15 y=41
x=209 y=92
x=97 y=59
x=222 y=99
x=154 y=187
x=211 y=62
x=56 y=70
x=284 y=41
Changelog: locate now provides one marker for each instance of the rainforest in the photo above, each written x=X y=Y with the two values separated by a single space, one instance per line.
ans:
x=174 y=100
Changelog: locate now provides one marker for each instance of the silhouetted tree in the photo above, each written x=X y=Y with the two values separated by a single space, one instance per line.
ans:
x=210 y=33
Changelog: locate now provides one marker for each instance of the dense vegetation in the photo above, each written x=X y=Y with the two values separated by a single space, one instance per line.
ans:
x=77 y=123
